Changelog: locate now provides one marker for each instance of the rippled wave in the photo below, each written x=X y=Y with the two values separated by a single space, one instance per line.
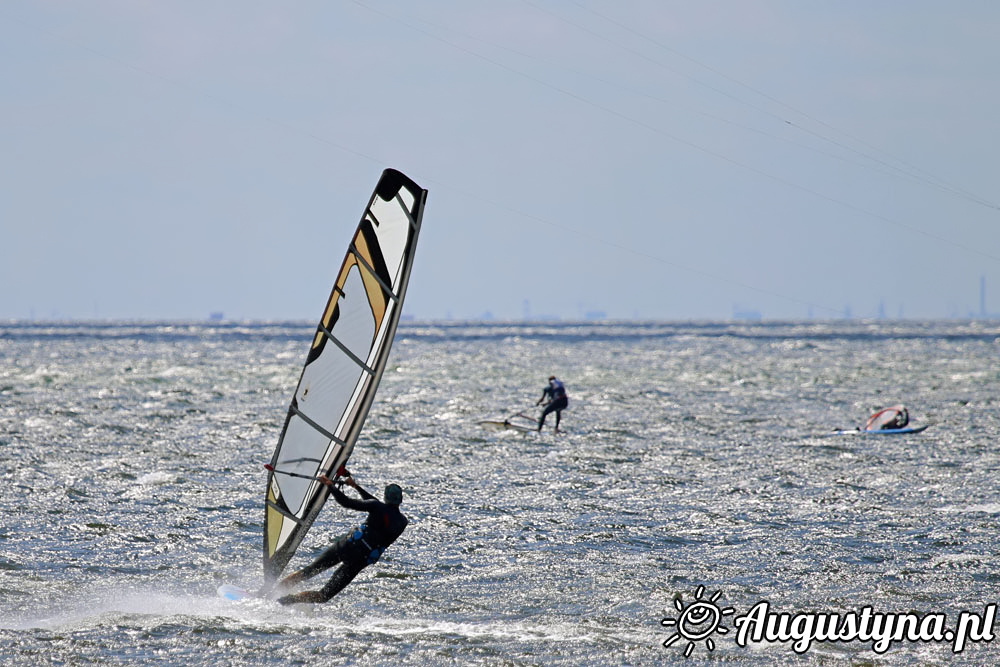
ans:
x=132 y=458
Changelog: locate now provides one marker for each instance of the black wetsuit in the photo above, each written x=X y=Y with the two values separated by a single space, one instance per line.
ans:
x=899 y=420
x=558 y=401
x=354 y=551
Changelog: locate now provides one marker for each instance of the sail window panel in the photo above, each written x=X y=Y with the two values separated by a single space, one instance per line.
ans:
x=355 y=325
x=274 y=524
x=349 y=423
x=302 y=449
x=273 y=518
x=408 y=199
x=380 y=337
x=326 y=388
x=330 y=379
x=287 y=532
x=392 y=230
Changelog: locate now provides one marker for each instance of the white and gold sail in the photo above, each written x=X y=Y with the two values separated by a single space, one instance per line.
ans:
x=344 y=365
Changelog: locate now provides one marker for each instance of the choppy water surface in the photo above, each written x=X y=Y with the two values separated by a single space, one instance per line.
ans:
x=132 y=484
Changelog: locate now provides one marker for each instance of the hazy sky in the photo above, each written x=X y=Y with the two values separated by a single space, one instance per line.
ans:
x=648 y=159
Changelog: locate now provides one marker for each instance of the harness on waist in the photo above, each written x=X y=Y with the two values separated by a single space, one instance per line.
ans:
x=359 y=536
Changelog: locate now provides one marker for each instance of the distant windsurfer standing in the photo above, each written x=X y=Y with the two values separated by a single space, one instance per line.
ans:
x=356 y=550
x=557 y=401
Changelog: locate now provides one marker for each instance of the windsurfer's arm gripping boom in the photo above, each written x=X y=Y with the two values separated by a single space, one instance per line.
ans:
x=545 y=394
x=344 y=477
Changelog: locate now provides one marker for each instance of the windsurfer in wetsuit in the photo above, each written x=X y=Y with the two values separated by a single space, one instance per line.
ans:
x=893 y=418
x=356 y=550
x=557 y=401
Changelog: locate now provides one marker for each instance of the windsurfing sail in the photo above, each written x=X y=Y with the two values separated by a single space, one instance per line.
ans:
x=895 y=417
x=343 y=366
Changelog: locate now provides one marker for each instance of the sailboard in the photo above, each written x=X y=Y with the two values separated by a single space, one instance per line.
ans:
x=881 y=431
x=234 y=593
x=343 y=366
x=516 y=422
x=887 y=421
x=505 y=426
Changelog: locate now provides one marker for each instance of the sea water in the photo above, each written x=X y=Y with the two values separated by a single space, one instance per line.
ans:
x=691 y=470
